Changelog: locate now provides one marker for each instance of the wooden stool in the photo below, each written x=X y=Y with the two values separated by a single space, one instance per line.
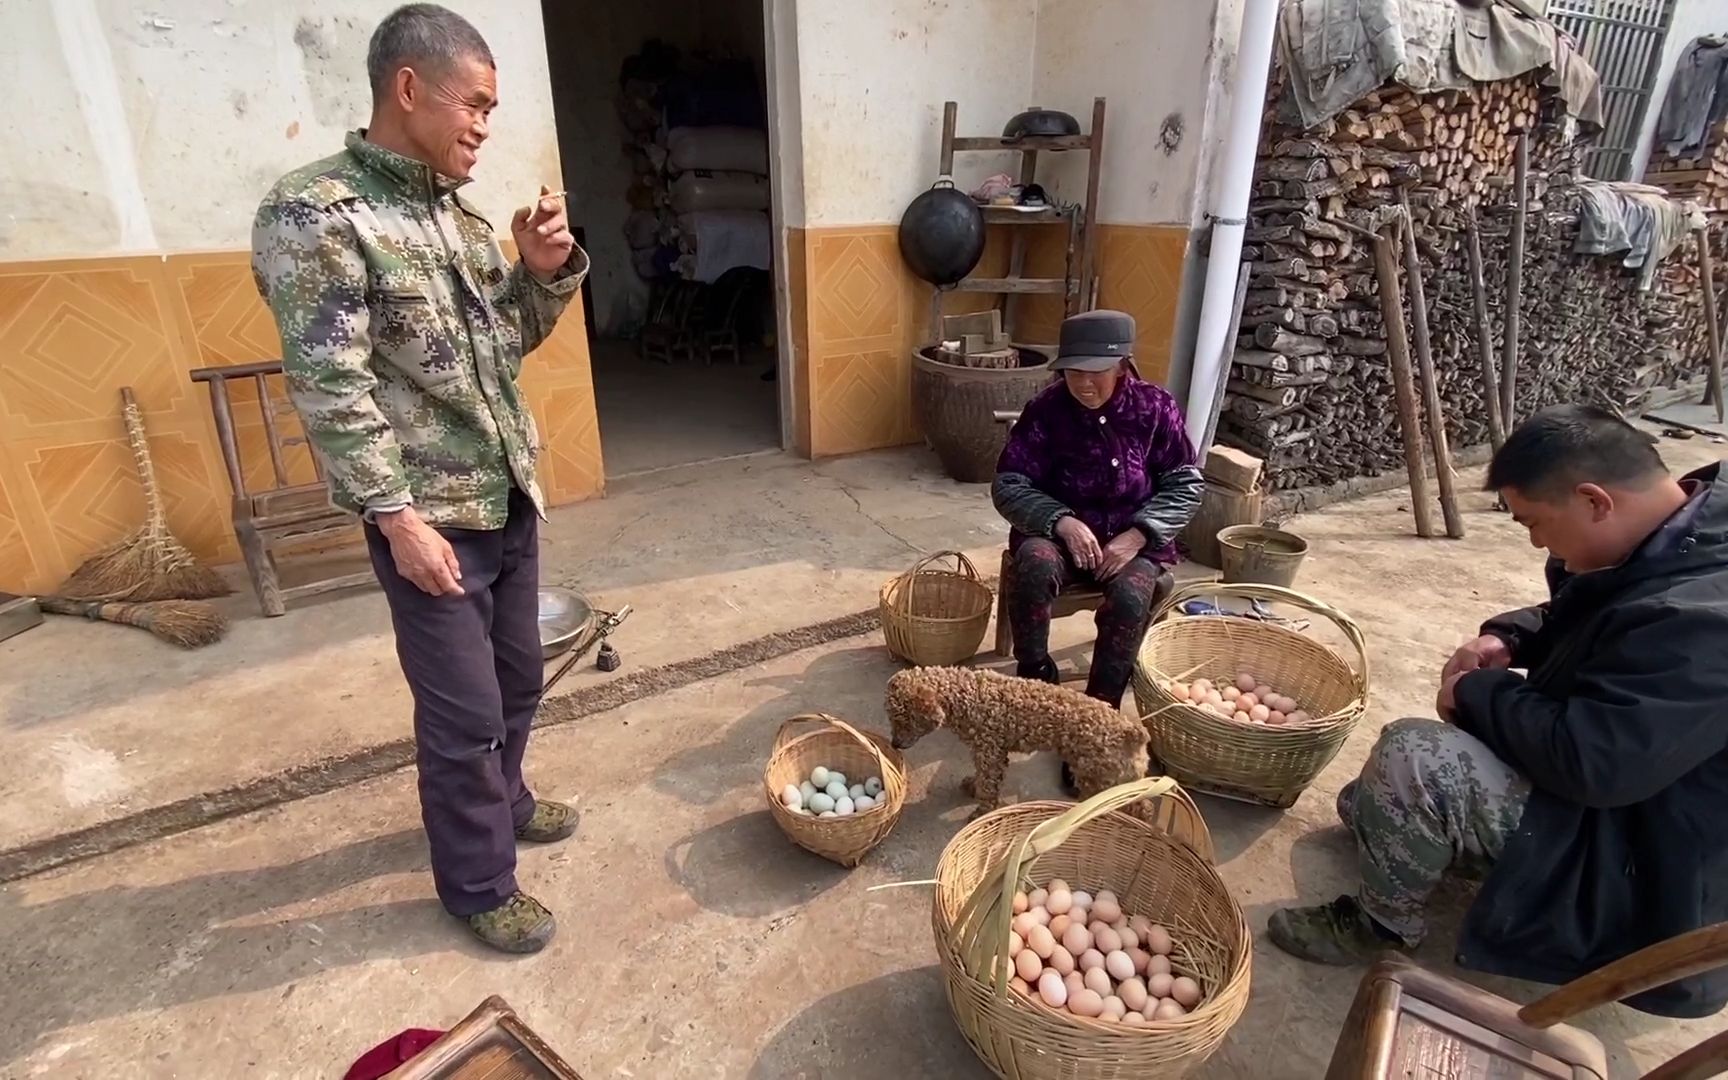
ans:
x=1408 y=1022
x=491 y=1043
x=285 y=513
x=1070 y=601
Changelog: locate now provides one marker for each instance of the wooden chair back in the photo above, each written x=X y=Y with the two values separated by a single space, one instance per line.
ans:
x=282 y=511
x=1407 y=1021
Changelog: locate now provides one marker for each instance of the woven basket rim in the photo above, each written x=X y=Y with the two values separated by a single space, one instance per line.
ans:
x=896 y=594
x=824 y=836
x=1359 y=672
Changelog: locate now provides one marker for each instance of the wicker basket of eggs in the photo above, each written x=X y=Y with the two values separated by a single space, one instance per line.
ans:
x=834 y=790
x=1088 y=943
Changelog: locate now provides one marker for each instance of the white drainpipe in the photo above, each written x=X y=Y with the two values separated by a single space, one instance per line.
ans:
x=1229 y=209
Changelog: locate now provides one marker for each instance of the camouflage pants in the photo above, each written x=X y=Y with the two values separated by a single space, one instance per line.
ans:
x=1431 y=800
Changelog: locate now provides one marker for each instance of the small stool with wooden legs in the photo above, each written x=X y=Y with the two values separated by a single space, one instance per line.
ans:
x=1407 y=1021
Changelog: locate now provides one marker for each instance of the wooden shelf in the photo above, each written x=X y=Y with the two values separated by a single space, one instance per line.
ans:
x=1052 y=143
x=1005 y=215
x=1054 y=286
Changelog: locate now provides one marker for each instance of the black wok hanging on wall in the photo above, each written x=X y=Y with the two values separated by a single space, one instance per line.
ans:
x=942 y=234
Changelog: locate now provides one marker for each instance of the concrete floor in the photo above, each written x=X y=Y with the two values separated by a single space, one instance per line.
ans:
x=658 y=416
x=698 y=942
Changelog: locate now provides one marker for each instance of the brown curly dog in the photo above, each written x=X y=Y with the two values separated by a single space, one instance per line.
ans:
x=996 y=715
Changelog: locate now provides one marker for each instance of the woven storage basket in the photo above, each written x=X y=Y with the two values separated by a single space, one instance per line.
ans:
x=1161 y=870
x=935 y=617
x=813 y=739
x=1270 y=766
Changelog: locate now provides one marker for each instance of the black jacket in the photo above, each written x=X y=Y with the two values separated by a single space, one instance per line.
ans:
x=1622 y=729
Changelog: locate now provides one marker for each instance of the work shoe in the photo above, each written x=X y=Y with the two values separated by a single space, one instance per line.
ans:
x=1339 y=933
x=1346 y=804
x=520 y=924
x=550 y=822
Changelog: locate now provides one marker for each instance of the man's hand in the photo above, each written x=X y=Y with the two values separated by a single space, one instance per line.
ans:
x=422 y=556
x=1486 y=651
x=1119 y=552
x=1446 y=704
x=1082 y=545
x=542 y=234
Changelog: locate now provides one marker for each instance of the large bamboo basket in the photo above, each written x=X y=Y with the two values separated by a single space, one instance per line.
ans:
x=1162 y=870
x=1270 y=766
x=813 y=739
x=935 y=617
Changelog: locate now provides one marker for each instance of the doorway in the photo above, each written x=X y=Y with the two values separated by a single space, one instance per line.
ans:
x=661 y=110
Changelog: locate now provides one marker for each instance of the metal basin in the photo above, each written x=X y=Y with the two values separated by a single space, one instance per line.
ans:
x=565 y=617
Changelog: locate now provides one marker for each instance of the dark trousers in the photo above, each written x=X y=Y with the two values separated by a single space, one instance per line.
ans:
x=1042 y=569
x=473 y=664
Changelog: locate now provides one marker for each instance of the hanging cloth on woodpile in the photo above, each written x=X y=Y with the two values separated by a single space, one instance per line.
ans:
x=1697 y=96
x=1338 y=51
x=1635 y=218
x=1492 y=41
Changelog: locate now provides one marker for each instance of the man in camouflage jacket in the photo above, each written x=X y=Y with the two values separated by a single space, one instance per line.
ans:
x=403 y=330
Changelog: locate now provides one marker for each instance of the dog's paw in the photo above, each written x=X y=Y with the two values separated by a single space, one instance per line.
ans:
x=969 y=787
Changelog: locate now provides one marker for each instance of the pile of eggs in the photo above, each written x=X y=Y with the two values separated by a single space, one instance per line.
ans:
x=1080 y=953
x=826 y=794
x=1247 y=701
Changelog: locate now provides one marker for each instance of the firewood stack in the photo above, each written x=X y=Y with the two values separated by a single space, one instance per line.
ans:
x=1310 y=388
x=1701 y=176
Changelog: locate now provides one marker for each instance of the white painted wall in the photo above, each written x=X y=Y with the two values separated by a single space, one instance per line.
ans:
x=138 y=129
x=1692 y=19
x=872 y=79
x=1152 y=60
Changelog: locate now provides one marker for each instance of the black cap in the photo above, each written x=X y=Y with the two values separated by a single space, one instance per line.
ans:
x=1094 y=341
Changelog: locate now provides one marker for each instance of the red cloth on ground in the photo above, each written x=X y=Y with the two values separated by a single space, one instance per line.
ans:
x=387 y=1056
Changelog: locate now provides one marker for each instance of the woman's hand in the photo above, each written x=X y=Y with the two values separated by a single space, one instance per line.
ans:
x=1119 y=552
x=1082 y=545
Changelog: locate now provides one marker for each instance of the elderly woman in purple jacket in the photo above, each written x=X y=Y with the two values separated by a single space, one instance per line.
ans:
x=1097 y=479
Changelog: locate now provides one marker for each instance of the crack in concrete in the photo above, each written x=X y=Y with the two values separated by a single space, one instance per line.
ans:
x=872 y=519
x=329 y=774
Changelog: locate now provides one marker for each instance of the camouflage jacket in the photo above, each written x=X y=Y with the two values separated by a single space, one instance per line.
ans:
x=403 y=331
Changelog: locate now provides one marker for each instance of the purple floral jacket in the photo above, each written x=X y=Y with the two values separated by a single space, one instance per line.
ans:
x=1127 y=465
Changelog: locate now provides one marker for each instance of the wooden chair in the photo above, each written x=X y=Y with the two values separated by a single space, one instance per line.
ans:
x=1072 y=600
x=283 y=514
x=1408 y=1022
x=491 y=1043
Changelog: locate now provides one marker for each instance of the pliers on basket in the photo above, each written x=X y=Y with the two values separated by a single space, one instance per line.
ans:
x=1257 y=610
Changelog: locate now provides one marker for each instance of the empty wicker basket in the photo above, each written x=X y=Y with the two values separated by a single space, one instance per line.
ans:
x=1270 y=766
x=933 y=616
x=1162 y=871
x=813 y=739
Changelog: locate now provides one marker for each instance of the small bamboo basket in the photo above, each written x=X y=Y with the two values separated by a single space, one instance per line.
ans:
x=935 y=617
x=1269 y=766
x=813 y=739
x=1162 y=870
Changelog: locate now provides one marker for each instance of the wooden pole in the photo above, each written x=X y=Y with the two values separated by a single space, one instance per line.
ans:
x=1430 y=382
x=1707 y=270
x=1484 y=336
x=1083 y=299
x=1403 y=388
x=1515 y=281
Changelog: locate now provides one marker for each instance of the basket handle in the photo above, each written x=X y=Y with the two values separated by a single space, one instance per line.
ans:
x=962 y=566
x=790 y=728
x=1277 y=594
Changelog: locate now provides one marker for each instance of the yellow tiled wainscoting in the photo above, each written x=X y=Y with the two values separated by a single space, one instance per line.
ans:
x=73 y=332
x=857 y=313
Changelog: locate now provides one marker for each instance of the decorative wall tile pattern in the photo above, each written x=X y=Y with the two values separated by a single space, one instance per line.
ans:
x=73 y=332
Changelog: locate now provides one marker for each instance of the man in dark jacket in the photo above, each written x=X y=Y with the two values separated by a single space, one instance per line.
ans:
x=1593 y=791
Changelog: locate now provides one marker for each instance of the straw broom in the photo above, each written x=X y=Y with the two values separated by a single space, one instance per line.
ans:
x=186 y=623
x=150 y=564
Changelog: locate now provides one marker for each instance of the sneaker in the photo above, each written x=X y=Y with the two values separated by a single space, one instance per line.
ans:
x=520 y=924
x=1339 y=933
x=1346 y=805
x=550 y=822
